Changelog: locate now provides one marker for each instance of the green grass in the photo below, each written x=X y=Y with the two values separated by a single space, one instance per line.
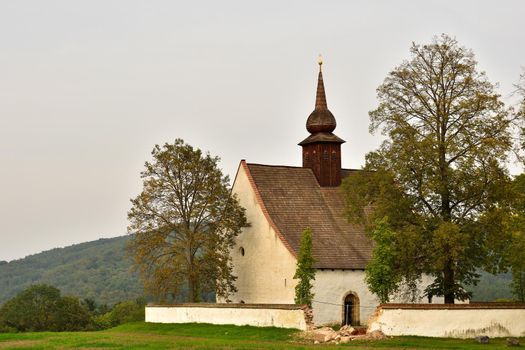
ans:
x=203 y=336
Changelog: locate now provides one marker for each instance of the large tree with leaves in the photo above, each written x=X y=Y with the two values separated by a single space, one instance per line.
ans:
x=440 y=173
x=184 y=224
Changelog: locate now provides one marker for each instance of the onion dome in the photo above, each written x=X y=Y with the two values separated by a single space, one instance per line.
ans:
x=321 y=119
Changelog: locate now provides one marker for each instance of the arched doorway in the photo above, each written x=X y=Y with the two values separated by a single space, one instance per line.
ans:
x=351 y=309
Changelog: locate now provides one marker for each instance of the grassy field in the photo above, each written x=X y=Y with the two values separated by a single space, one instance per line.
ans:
x=201 y=336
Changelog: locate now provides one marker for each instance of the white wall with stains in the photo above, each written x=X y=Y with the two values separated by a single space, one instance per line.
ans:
x=453 y=322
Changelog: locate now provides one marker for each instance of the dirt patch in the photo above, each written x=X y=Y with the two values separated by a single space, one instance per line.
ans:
x=18 y=343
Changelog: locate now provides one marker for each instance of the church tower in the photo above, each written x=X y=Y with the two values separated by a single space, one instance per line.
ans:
x=322 y=149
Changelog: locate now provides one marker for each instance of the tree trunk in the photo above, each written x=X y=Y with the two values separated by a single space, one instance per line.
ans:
x=193 y=289
x=448 y=283
x=446 y=211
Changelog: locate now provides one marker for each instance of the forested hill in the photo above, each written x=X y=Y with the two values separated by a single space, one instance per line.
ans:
x=99 y=270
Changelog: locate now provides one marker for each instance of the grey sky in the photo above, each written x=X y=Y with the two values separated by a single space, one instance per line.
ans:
x=88 y=87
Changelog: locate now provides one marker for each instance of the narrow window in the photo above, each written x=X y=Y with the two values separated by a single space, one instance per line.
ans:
x=242 y=251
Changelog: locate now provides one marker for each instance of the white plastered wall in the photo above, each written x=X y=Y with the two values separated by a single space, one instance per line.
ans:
x=265 y=272
x=332 y=286
x=454 y=323
x=330 y=289
x=237 y=316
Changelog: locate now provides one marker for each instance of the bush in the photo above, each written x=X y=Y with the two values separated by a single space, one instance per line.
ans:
x=123 y=312
x=41 y=308
x=72 y=315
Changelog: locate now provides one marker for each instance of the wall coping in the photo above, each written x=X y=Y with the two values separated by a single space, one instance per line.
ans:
x=471 y=306
x=232 y=306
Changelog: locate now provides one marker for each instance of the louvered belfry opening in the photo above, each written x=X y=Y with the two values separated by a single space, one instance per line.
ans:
x=322 y=149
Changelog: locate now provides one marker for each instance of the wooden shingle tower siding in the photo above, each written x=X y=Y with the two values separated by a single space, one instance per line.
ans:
x=322 y=149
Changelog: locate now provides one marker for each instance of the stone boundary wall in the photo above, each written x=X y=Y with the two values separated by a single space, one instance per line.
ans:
x=452 y=321
x=260 y=315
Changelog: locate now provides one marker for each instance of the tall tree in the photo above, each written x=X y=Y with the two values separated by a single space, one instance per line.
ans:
x=184 y=223
x=305 y=271
x=441 y=168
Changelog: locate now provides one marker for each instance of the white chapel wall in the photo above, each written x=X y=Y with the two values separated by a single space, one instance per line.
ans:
x=265 y=272
x=330 y=289
x=332 y=286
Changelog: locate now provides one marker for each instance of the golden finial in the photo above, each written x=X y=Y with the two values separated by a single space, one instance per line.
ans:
x=320 y=60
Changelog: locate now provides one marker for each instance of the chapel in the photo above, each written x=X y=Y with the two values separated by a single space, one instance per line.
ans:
x=280 y=202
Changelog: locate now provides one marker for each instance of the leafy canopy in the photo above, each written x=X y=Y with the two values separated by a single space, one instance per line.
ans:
x=440 y=173
x=305 y=271
x=185 y=222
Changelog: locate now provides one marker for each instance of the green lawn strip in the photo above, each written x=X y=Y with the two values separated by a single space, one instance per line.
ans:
x=58 y=340
x=139 y=340
x=202 y=330
x=223 y=341
x=24 y=336
x=204 y=336
x=430 y=343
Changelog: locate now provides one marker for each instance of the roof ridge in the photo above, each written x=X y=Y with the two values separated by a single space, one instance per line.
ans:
x=295 y=166
x=278 y=166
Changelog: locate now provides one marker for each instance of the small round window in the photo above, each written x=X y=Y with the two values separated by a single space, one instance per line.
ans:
x=242 y=251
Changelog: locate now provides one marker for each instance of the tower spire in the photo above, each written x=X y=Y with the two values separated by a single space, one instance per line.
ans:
x=322 y=149
x=320 y=98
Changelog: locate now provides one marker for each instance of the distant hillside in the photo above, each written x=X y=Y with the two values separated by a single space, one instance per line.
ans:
x=99 y=270
x=492 y=287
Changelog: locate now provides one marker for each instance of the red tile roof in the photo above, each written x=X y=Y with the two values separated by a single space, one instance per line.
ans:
x=293 y=200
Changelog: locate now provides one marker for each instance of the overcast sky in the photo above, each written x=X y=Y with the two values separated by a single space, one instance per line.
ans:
x=88 y=87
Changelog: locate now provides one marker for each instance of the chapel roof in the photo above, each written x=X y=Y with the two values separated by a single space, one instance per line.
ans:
x=293 y=200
